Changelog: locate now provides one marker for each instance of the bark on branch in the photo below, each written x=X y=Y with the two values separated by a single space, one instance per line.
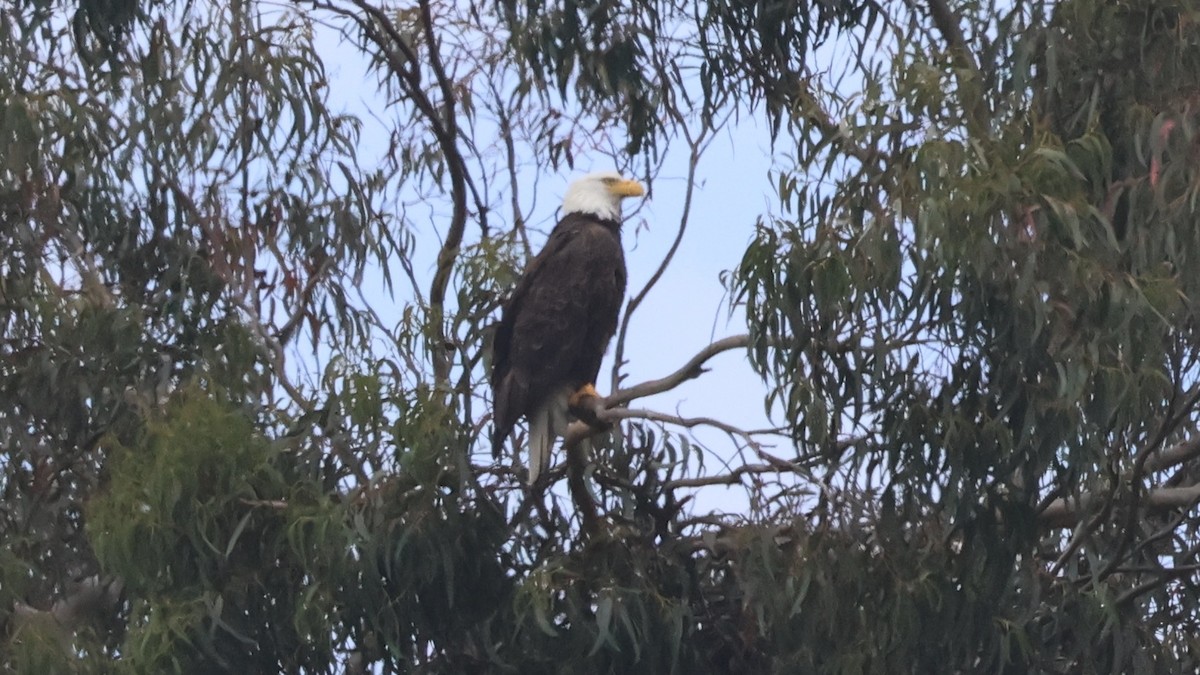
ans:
x=1065 y=512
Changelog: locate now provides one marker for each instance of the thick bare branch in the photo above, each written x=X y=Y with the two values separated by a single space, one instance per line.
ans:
x=1066 y=512
x=1174 y=455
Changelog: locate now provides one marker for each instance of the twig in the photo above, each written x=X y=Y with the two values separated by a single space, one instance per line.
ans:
x=277 y=504
x=611 y=415
x=510 y=163
x=1147 y=586
x=734 y=477
x=698 y=146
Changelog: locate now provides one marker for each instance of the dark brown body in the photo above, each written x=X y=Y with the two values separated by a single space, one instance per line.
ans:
x=557 y=324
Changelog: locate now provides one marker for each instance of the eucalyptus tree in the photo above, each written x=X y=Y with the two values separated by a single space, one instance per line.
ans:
x=243 y=400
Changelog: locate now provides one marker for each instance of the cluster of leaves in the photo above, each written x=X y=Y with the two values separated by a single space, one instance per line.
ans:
x=642 y=64
x=999 y=314
x=142 y=195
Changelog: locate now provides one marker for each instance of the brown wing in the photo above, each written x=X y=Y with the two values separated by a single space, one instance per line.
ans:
x=556 y=326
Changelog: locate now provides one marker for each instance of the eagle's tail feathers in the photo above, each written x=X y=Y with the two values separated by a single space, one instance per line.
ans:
x=546 y=423
x=540 y=440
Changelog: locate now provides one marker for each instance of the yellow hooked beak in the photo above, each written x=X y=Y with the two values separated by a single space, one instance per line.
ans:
x=627 y=188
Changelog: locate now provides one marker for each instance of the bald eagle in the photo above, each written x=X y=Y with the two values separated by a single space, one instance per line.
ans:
x=555 y=327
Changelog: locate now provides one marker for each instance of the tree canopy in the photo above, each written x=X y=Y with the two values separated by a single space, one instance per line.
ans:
x=244 y=339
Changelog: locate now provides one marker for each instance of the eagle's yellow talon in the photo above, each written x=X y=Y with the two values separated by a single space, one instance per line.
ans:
x=579 y=399
x=583 y=404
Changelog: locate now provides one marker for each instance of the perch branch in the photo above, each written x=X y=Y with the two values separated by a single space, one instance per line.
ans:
x=690 y=370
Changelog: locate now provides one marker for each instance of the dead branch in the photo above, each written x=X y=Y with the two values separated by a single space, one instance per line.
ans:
x=606 y=410
x=734 y=477
x=606 y=416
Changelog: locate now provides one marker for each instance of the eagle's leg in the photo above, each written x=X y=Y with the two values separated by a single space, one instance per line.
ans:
x=586 y=404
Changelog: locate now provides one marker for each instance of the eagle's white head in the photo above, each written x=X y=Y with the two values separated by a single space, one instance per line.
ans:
x=600 y=194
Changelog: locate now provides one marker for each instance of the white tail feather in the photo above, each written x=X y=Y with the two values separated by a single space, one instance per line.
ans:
x=546 y=424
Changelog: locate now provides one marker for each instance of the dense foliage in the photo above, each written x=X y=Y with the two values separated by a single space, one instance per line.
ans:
x=243 y=399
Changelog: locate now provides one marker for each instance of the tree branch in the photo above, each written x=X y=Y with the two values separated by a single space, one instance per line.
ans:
x=697 y=146
x=947 y=24
x=734 y=477
x=1065 y=512
x=1169 y=425
x=611 y=415
x=379 y=29
x=1162 y=577
x=1176 y=454
x=608 y=409
x=439 y=348
x=692 y=369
